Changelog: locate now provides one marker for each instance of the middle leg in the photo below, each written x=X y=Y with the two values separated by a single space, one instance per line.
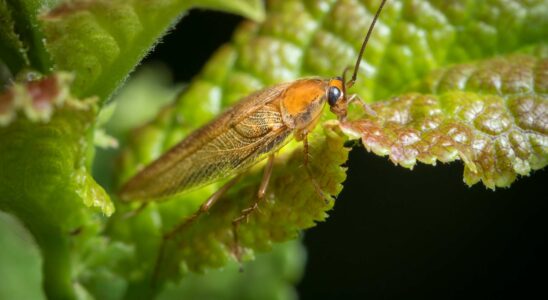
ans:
x=309 y=171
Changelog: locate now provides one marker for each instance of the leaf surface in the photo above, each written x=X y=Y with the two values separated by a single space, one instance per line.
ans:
x=102 y=41
x=412 y=39
x=492 y=115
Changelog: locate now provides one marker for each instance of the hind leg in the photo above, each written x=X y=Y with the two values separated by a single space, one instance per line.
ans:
x=205 y=207
x=255 y=206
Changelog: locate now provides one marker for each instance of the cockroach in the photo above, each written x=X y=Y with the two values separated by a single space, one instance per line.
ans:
x=252 y=130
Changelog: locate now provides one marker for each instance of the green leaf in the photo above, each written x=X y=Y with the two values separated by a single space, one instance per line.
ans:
x=21 y=36
x=19 y=258
x=252 y=9
x=270 y=276
x=12 y=50
x=5 y=77
x=43 y=177
x=432 y=34
x=492 y=115
x=102 y=41
x=47 y=134
x=30 y=32
x=300 y=39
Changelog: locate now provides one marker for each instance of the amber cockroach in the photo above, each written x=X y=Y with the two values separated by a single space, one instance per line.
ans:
x=250 y=131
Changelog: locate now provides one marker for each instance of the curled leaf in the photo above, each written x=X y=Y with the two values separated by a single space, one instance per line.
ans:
x=492 y=115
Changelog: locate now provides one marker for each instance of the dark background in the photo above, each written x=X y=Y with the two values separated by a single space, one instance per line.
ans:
x=401 y=234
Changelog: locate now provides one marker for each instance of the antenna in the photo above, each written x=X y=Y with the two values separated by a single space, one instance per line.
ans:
x=357 y=66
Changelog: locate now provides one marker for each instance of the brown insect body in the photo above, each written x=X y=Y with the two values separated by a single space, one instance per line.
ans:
x=253 y=129
x=258 y=125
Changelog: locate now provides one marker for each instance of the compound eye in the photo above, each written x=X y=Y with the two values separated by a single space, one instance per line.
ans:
x=333 y=94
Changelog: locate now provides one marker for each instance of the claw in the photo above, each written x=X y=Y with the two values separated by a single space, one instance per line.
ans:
x=236 y=250
x=258 y=209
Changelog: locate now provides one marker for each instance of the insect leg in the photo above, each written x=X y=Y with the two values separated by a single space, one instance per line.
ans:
x=309 y=172
x=366 y=107
x=261 y=192
x=189 y=220
x=266 y=177
x=203 y=208
x=246 y=212
x=133 y=213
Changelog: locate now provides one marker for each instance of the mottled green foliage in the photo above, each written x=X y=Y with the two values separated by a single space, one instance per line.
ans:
x=489 y=112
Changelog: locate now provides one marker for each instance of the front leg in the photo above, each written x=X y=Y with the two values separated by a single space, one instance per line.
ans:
x=366 y=107
x=309 y=171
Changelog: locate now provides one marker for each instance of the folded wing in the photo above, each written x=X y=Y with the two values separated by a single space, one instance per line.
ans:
x=234 y=141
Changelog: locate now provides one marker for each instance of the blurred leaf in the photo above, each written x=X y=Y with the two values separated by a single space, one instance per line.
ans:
x=25 y=13
x=270 y=276
x=150 y=88
x=492 y=115
x=19 y=259
x=5 y=77
x=102 y=41
x=251 y=9
x=43 y=172
x=12 y=50
x=140 y=100
x=21 y=36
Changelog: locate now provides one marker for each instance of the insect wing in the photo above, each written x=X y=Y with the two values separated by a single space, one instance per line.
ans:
x=234 y=141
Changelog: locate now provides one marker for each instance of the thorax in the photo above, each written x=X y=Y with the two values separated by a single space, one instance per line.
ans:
x=302 y=103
